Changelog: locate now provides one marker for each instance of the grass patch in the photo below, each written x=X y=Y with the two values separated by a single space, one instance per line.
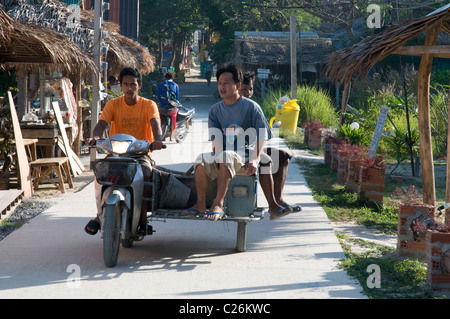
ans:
x=342 y=206
x=400 y=278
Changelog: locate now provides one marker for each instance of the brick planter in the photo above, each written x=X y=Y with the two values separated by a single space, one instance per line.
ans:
x=352 y=183
x=315 y=138
x=371 y=184
x=438 y=260
x=327 y=150
x=342 y=169
x=334 y=156
x=409 y=244
x=305 y=135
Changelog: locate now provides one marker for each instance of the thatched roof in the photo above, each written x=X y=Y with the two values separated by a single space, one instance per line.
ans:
x=361 y=57
x=59 y=17
x=22 y=45
x=266 y=50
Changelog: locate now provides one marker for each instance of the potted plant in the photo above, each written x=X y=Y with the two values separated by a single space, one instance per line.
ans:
x=412 y=213
x=335 y=142
x=372 y=179
x=354 y=163
x=314 y=134
x=347 y=152
x=437 y=241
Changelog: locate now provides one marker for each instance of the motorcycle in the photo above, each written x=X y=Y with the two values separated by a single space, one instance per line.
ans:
x=122 y=182
x=122 y=191
x=183 y=116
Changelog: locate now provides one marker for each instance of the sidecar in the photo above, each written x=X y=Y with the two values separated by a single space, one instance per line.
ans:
x=173 y=191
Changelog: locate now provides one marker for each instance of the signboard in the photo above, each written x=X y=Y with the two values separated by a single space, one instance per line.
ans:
x=378 y=130
x=263 y=74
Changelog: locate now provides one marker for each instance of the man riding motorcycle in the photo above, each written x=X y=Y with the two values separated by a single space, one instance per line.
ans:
x=165 y=88
x=136 y=116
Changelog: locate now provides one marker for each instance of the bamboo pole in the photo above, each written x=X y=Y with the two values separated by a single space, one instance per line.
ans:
x=447 y=189
x=423 y=101
x=345 y=97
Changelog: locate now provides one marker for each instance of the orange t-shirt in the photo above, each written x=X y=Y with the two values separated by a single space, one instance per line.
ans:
x=130 y=119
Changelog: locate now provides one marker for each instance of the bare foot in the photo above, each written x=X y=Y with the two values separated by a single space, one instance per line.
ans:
x=215 y=212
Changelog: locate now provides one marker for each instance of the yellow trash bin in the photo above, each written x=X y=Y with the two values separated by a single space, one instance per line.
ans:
x=277 y=117
x=289 y=115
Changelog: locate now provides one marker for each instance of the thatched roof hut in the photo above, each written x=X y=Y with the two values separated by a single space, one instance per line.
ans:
x=360 y=58
x=273 y=48
x=25 y=46
x=79 y=28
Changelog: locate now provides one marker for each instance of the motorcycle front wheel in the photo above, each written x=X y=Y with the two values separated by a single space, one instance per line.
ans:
x=111 y=234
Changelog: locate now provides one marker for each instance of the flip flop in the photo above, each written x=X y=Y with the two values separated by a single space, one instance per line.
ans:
x=94 y=227
x=192 y=211
x=295 y=209
x=217 y=215
x=281 y=212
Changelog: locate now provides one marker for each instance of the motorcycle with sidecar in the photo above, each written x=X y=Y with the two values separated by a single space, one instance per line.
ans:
x=122 y=191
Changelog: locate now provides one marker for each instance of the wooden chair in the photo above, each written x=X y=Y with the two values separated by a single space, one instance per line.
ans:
x=43 y=168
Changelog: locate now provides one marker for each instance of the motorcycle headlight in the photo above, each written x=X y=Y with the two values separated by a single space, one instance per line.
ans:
x=120 y=147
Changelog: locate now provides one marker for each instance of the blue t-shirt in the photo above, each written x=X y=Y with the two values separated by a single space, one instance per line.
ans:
x=240 y=125
x=162 y=93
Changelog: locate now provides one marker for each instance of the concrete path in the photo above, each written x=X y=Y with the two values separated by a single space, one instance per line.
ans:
x=293 y=257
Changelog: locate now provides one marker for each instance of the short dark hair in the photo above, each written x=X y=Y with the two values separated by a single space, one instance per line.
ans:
x=231 y=68
x=168 y=75
x=248 y=78
x=130 y=71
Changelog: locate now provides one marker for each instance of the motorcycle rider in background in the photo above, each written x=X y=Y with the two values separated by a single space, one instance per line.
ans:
x=136 y=116
x=165 y=88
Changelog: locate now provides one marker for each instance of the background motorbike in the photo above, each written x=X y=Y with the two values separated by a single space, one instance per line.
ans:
x=122 y=192
x=183 y=115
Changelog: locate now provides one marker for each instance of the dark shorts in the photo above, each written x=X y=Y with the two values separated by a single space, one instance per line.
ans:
x=278 y=155
x=146 y=162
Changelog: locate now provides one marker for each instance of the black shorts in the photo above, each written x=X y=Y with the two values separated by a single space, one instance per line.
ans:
x=277 y=154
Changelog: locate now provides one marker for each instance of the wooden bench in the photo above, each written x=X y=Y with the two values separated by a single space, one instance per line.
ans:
x=43 y=168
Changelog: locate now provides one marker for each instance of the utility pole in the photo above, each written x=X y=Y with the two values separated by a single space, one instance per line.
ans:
x=100 y=7
x=294 y=57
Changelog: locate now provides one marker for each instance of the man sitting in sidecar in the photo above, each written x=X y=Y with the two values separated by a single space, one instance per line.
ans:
x=238 y=131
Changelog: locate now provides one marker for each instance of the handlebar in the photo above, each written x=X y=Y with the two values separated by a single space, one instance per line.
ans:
x=164 y=146
x=93 y=144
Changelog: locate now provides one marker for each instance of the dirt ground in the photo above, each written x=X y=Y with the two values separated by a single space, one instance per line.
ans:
x=49 y=192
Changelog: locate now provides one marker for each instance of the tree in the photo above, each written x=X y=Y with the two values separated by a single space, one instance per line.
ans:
x=169 y=22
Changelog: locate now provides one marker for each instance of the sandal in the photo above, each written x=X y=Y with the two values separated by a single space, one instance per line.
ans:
x=192 y=211
x=281 y=212
x=92 y=227
x=295 y=209
x=217 y=215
